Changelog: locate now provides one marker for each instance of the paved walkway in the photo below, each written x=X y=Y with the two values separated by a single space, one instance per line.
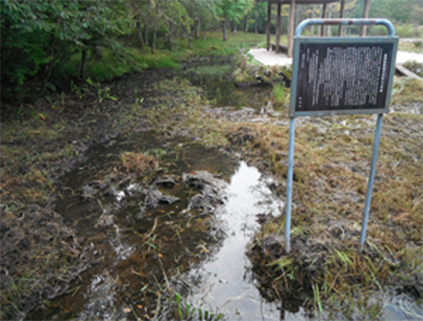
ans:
x=270 y=58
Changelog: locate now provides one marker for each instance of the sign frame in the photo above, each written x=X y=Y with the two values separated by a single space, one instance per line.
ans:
x=298 y=40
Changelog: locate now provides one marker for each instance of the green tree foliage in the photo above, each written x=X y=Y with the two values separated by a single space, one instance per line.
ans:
x=398 y=11
x=39 y=36
x=232 y=10
x=202 y=13
x=259 y=17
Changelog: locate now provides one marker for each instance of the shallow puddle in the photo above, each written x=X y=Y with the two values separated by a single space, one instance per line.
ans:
x=208 y=251
x=224 y=282
x=134 y=252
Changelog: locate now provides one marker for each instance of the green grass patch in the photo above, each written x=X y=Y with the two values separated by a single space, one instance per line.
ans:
x=111 y=65
x=405 y=30
x=281 y=94
x=123 y=59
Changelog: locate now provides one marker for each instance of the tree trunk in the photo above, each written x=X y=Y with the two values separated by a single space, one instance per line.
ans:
x=204 y=33
x=278 y=28
x=224 y=29
x=313 y=15
x=246 y=21
x=139 y=34
x=269 y=16
x=234 y=26
x=363 y=29
x=322 y=27
x=298 y=12
x=83 y=64
x=197 y=29
x=291 y=28
x=146 y=35
x=170 y=38
x=329 y=16
x=49 y=66
x=341 y=15
x=255 y=24
x=153 y=45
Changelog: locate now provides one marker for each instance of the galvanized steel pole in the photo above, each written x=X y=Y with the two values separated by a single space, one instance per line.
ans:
x=293 y=114
x=371 y=181
x=289 y=185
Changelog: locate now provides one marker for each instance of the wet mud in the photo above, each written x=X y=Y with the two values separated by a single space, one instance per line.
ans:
x=137 y=230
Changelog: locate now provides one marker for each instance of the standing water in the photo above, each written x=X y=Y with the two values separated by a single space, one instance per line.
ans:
x=224 y=281
x=133 y=249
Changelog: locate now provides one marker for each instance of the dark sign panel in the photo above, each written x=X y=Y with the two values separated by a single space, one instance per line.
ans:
x=344 y=76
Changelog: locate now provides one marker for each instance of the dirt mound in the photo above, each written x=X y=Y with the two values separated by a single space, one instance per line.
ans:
x=324 y=260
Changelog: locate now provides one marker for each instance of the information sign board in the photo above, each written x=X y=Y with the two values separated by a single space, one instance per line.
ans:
x=342 y=76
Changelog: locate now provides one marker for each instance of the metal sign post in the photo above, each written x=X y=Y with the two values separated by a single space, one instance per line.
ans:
x=340 y=76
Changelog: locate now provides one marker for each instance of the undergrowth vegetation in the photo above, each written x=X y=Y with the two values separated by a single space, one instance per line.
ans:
x=124 y=57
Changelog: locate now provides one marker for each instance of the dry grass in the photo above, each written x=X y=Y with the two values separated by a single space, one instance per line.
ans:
x=138 y=163
x=410 y=46
x=332 y=163
x=406 y=91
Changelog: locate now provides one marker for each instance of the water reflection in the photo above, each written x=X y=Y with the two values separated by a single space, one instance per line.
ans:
x=225 y=282
x=101 y=300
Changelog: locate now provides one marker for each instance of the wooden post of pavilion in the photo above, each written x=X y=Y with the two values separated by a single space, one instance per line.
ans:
x=341 y=15
x=291 y=28
x=365 y=16
x=269 y=18
x=278 y=28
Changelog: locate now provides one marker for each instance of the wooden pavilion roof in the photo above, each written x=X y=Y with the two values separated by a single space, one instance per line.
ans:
x=300 y=1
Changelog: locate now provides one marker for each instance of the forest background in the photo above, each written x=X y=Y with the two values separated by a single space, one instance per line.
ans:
x=51 y=46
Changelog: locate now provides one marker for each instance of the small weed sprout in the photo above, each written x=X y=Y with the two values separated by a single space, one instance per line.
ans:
x=102 y=93
x=281 y=94
x=138 y=100
x=77 y=90
x=187 y=312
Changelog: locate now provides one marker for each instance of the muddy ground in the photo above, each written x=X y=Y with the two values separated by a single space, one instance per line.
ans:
x=40 y=143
